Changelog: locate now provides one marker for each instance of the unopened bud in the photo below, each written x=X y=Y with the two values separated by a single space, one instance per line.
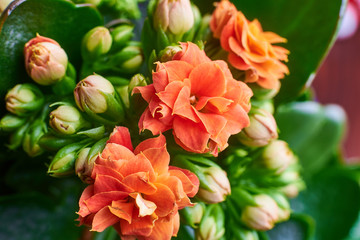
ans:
x=121 y=35
x=32 y=136
x=45 y=60
x=193 y=215
x=89 y=93
x=11 y=122
x=212 y=224
x=84 y=163
x=4 y=4
x=263 y=216
x=278 y=156
x=137 y=81
x=262 y=93
x=284 y=209
x=168 y=53
x=64 y=161
x=134 y=61
x=24 y=99
x=218 y=183
x=261 y=131
x=67 y=120
x=95 y=43
x=292 y=190
x=174 y=16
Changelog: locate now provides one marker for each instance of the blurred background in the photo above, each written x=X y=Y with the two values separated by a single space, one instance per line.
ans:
x=338 y=80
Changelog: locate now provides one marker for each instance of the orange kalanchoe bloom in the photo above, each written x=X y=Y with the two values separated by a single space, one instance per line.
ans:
x=197 y=98
x=249 y=47
x=136 y=191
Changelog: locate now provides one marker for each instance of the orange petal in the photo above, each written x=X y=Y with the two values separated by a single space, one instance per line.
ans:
x=86 y=194
x=237 y=62
x=227 y=32
x=274 y=38
x=164 y=199
x=103 y=219
x=122 y=210
x=191 y=54
x=121 y=136
x=163 y=230
x=156 y=142
x=155 y=125
x=106 y=170
x=177 y=70
x=207 y=79
x=213 y=123
x=160 y=78
x=104 y=183
x=113 y=151
x=182 y=105
x=140 y=183
x=139 y=164
x=140 y=226
x=192 y=135
x=174 y=184
x=100 y=200
x=170 y=94
x=159 y=158
x=188 y=179
x=146 y=208
x=147 y=92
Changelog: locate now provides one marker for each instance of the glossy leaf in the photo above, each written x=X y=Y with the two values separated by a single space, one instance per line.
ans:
x=332 y=200
x=308 y=25
x=57 y=19
x=313 y=132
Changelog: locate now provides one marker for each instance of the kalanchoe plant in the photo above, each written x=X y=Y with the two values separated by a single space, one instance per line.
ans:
x=195 y=95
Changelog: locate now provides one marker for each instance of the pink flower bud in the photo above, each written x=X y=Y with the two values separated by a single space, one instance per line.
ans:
x=278 y=156
x=45 y=60
x=263 y=216
x=84 y=165
x=219 y=184
x=261 y=131
x=174 y=16
x=89 y=93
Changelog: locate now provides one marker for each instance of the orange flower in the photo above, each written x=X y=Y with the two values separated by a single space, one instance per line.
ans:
x=135 y=190
x=249 y=47
x=221 y=16
x=198 y=99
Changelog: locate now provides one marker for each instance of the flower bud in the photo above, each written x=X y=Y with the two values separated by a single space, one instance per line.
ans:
x=261 y=131
x=4 y=4
x=136 y=81
x=32 y=136
x=64 y=161
x=11 y=122
x=24 y=99
x=262 y=93
x=89 y=93
x=45 y=60
x=292 y=190
x=67 y=120
x=193 y=215
x=121 y=35
x=84 y=163
x=219 y=186
x=95 y=43
x=212 y=224
x=174 y=16
x=263 y=216
x=133 y=62
x=277 y=155
x=168 y=53
x=284 y=209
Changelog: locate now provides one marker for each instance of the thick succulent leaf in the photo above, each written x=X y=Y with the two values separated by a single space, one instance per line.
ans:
x=57 y=19
x=313 y=131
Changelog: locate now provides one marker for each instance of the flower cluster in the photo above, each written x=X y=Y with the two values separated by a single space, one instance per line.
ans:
x=250 y=48
x=135 y=190
x=198 y=99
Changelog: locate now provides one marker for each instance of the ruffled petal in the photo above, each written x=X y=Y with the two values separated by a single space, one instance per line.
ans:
x=103 y=219
x=121 y=136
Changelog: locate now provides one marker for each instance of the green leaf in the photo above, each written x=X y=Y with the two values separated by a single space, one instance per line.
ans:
x=310 y=34
x=332 y=200
x=57 y=19
x=313 y=132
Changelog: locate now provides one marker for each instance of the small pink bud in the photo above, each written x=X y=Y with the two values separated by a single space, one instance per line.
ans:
x=45 y=60
x=175 y=16
x=89 y=93
x=219 y=184
x=263 y=216
x=278 y=156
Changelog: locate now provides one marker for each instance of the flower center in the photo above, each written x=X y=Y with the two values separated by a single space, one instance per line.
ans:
x=193 y=100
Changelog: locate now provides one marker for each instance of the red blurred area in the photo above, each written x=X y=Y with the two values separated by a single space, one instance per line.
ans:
x=338 y=81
